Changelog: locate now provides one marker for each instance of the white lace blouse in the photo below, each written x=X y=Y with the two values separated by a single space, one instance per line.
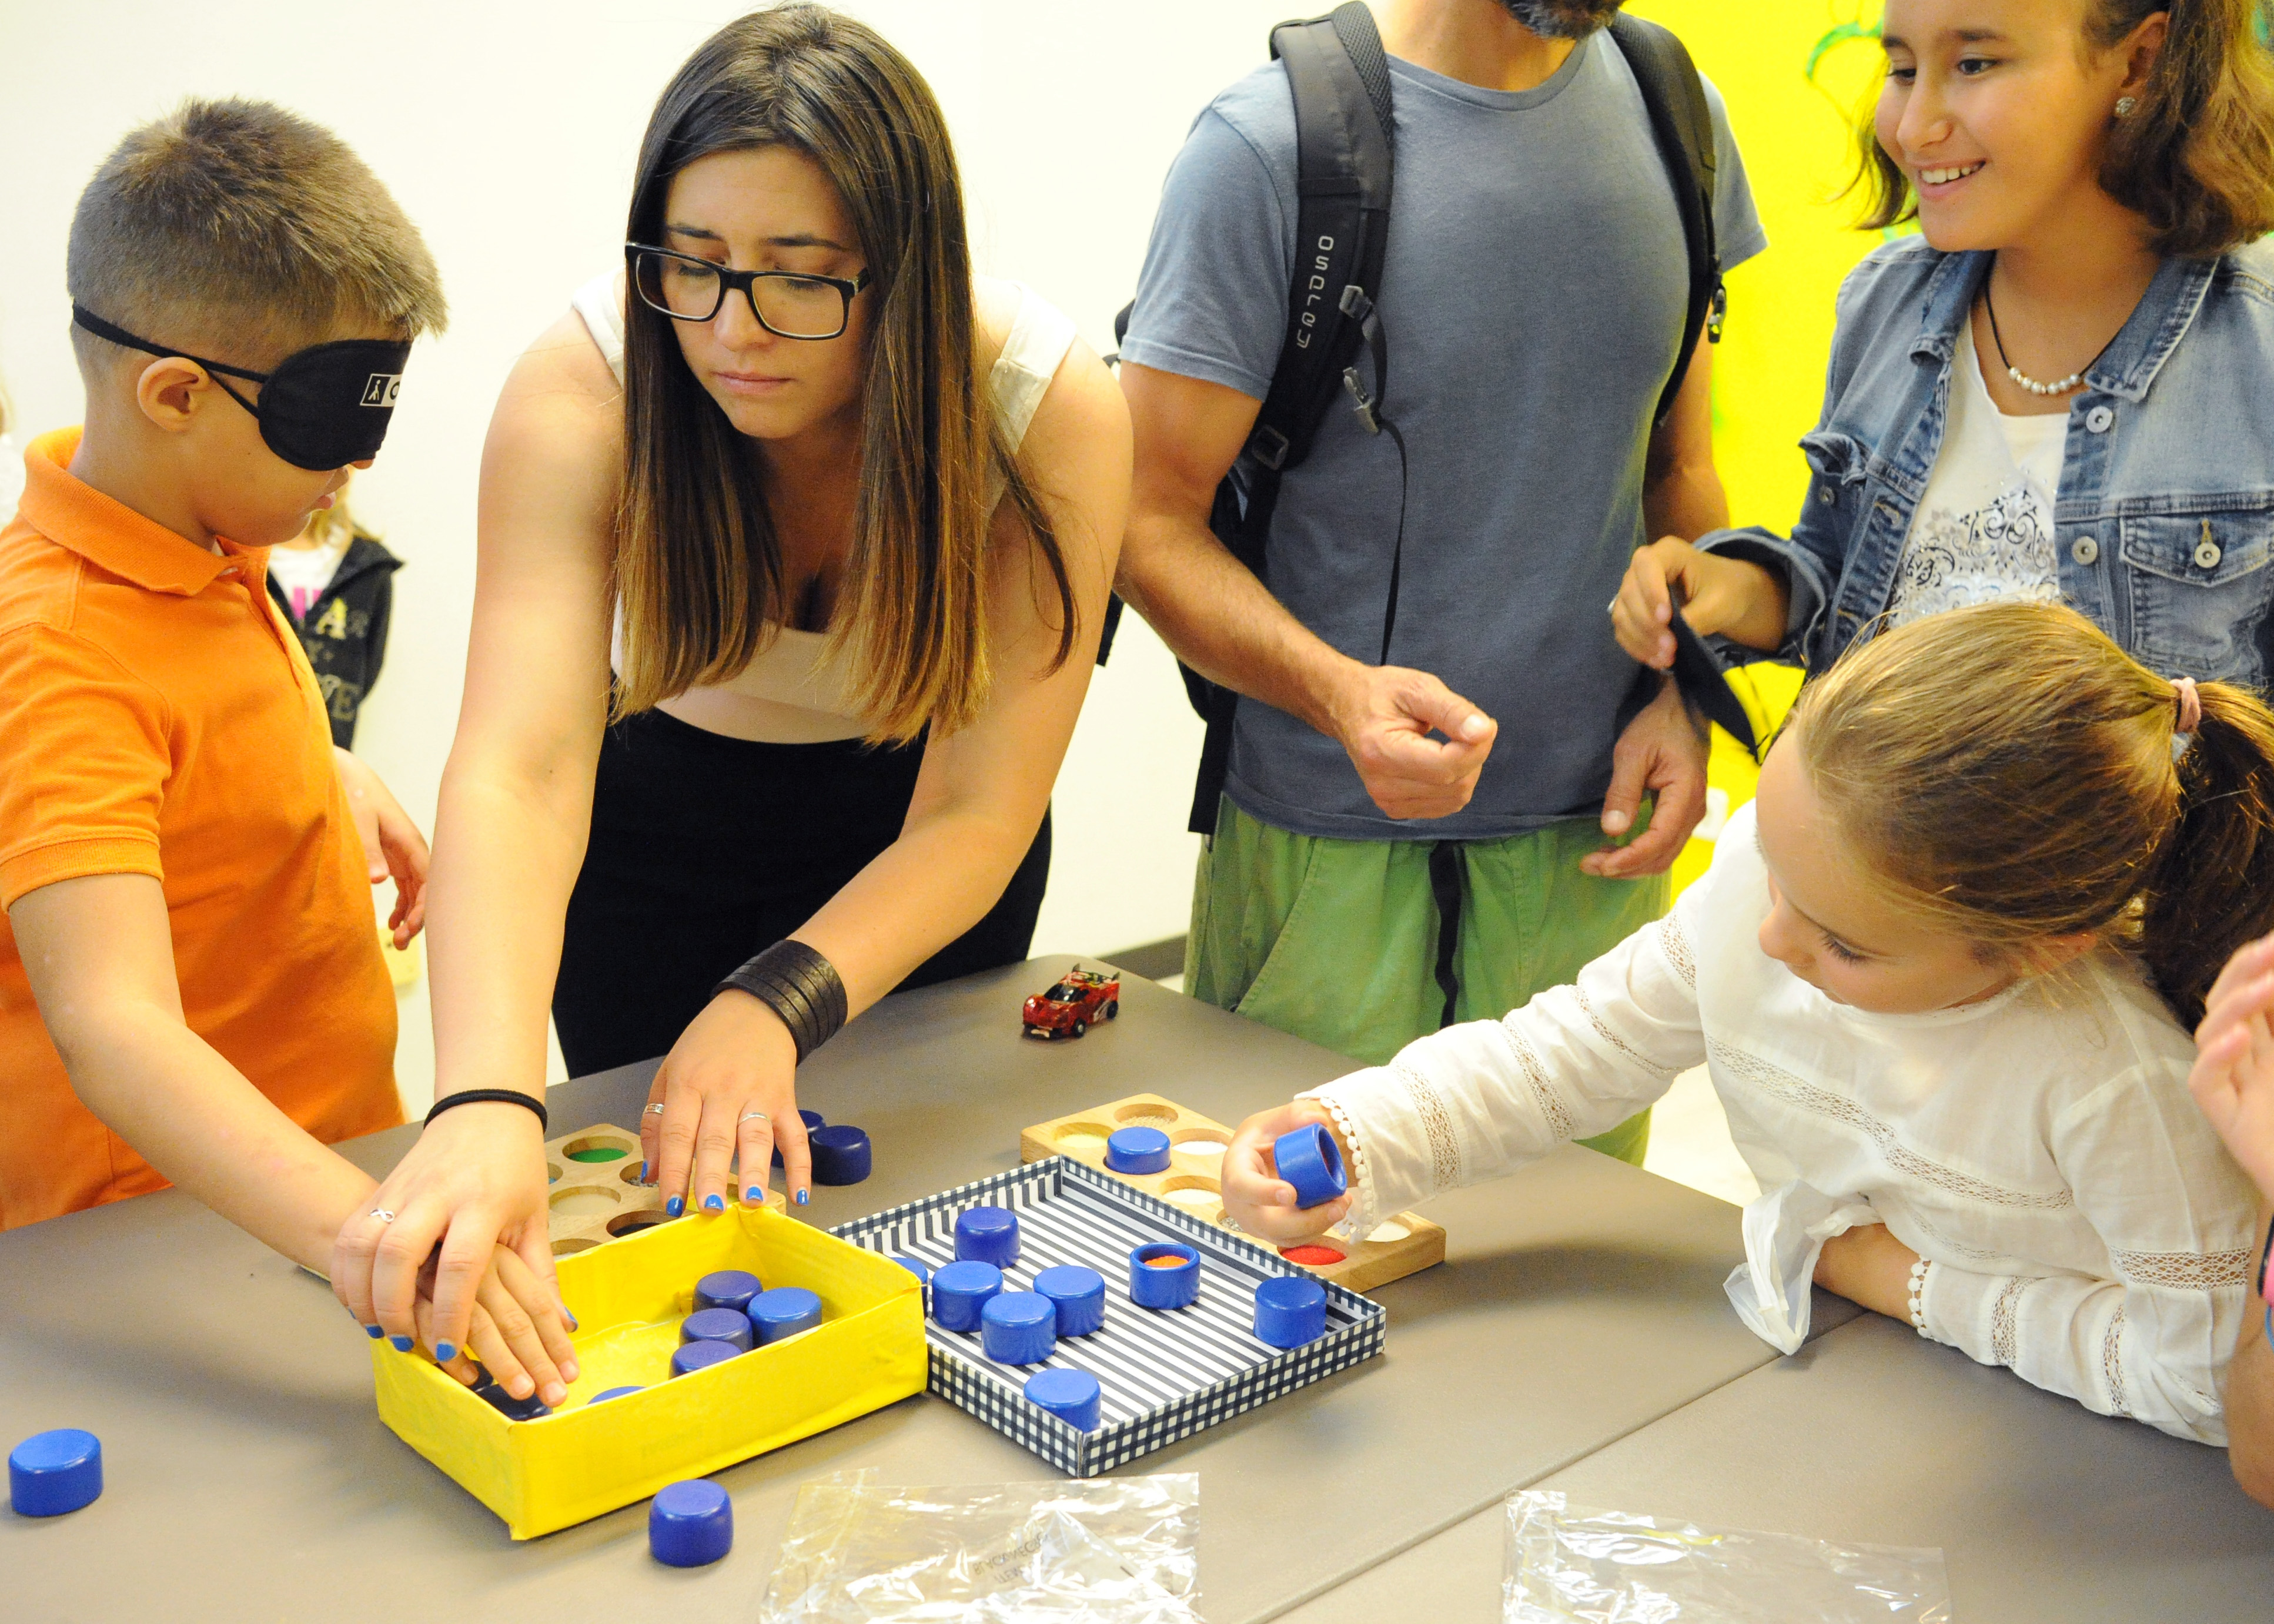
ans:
x=2083 y=1226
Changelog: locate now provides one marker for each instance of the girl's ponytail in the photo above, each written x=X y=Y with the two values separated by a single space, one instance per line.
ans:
x=2212 y=886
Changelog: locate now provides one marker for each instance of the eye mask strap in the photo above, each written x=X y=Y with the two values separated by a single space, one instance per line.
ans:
x=83 y=317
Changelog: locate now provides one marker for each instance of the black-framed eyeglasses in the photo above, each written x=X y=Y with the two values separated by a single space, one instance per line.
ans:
x=787 y=303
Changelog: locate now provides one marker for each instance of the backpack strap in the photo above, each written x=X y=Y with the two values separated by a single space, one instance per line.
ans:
x=1675 y=97
x=1339 y=75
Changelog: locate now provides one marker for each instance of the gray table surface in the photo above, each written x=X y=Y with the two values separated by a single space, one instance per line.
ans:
x=2043 y=1510
x=249 y=1476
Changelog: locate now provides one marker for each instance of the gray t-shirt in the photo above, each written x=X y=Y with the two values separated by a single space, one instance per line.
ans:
x=1533 y=296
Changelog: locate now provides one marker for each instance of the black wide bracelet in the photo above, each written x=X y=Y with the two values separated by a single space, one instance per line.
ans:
x=501 y=1096
x=799 y=985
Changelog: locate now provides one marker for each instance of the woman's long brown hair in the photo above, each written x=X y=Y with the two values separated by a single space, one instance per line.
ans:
x=697 y=567
x=2008 y=773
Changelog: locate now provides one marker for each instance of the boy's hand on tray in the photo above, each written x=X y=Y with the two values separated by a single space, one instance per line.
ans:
x=1255 y=1197
x=728 y=1086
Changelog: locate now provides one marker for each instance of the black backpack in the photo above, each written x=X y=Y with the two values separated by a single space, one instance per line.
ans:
x=1340 y=76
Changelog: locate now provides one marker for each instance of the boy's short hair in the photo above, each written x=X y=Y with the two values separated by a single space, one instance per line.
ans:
x=239 y=229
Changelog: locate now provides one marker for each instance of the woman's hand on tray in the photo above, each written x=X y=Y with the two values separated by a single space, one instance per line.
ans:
x=729 y=1084
x=428 y=1241
x=1255 y=1197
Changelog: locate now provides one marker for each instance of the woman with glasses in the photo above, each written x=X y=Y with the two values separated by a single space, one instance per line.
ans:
x=795 y=544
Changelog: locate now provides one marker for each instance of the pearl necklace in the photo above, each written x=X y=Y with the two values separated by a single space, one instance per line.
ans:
x=2059 y=386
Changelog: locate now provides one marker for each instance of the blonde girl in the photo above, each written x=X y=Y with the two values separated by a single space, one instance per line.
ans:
x=1937 y=974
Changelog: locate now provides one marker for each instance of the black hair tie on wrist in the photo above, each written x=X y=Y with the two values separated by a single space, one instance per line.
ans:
x=501 y=1096
x=799 y=985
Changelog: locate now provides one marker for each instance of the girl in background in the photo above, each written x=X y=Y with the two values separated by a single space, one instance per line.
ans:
x=336 y=584
x=1937 y=974
x=2062 y=389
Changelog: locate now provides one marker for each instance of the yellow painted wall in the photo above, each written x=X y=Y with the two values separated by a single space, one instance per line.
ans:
x=1792 y=71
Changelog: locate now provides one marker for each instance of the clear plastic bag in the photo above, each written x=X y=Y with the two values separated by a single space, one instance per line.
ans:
x=1568 y=1565
x=1098 y=1551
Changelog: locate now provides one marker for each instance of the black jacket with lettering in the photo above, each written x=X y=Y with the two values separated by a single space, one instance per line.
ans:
x=345 y=632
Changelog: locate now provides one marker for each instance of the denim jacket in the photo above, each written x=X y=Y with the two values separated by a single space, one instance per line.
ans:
x=2165 y=519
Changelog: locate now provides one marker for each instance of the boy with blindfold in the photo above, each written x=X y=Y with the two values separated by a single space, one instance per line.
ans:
x=189 y=986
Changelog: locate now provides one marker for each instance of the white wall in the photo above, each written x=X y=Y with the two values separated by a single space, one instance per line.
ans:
x=508 y=129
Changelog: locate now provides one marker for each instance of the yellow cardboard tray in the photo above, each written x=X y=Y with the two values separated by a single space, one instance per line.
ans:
x=629 y=1297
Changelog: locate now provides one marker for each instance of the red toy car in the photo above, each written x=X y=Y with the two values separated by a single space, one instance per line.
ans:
x=1070 y=1007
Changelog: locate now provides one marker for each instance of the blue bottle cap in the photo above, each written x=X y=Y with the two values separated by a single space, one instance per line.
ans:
x=1307 y=1159
x=612 y=1393
x=1137 y=1150
x=917 y=1267
x=1289 y=1311
x=1079 y=1294
x=717 y=1325
x=691 y=1524
x=727 y=1289
x=51 y=1473
x=840 y=1156
x=1165 y=1275
x=987 y=1235
x=959 y=1291
x=812 y=1120
x=485 y=1388
x=783 y=1313
x=1018 y=1327
x=693 y=1357
x=1071 y=1394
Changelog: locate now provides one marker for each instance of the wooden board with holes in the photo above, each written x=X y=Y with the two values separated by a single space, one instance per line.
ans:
x=1399 y=1246
x=593 y=1182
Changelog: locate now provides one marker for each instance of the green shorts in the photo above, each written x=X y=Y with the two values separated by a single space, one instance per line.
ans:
x=1335 y=941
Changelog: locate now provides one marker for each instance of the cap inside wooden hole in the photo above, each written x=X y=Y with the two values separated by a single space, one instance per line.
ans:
x=561 y=1249
x=1145 y=1112
x=1082 y=1136
x=586 y=1202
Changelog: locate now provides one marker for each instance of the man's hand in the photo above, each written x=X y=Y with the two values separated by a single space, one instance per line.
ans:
x=392 y=844
x=1663 y=752
x=1738 y=598
x=1384 y=715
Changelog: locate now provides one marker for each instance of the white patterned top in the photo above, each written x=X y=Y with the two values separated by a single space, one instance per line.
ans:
x=1983 y=529
x=2085 y=1226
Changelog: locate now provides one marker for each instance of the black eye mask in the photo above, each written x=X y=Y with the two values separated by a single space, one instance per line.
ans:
x=1697 y=672
x=321 y=409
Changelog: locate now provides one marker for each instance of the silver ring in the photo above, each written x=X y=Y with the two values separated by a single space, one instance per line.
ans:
x=383 y=1214
x=655 y=1110
x=755 y=1117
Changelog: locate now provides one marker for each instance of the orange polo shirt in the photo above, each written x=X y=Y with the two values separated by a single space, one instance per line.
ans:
x=157 y=717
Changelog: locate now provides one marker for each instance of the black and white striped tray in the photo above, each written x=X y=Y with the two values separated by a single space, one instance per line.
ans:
x=1164 y=1375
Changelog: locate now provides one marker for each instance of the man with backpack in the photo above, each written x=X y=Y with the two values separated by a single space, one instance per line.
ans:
x=1388 y=481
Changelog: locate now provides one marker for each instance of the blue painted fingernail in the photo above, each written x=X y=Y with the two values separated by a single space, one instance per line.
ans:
x=754 y=1194
x=373 y=1331
x=570 y=1318
x=800 y=1198
x=674 y=1207
x=714 y=1204
x=444 y=1352
x=642 y=1172
x=402 y=1344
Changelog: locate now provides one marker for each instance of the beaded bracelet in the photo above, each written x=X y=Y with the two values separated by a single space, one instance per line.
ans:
x=799 y=985
x=1918 y=1295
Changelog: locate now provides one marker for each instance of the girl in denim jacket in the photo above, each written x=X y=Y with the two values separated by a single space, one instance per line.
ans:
x=2064 y=388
